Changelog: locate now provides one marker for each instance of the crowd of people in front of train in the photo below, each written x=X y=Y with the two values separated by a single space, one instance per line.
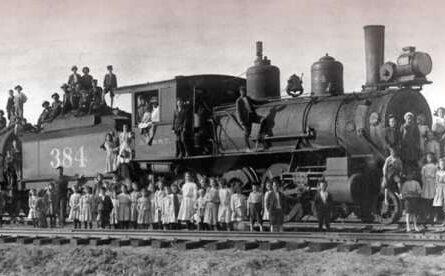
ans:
x=415 y=167
x=202 y=204
x=82 y=95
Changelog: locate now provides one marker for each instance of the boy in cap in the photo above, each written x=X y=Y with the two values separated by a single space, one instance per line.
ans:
x=86 y=80
x=56 y=105
x=323 y=205
x=45 y=116
x=19 y=101
x=110 y=83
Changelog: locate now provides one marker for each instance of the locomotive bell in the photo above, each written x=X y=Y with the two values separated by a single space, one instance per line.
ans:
x=263 y=79
x=327 y=77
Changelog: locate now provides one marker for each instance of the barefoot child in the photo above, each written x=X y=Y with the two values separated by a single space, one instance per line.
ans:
x=86 y=208
x=135 y=195
x=428 y=173
x=212 y=202
x=124 y=208
x=323 y=205
x=114 y=218
x=104 y=208
x=144 y=210
x=411 y=192
x=255 y=206
x=200 y=204
x=75 y=207
x=238 y=206
x=268 y=185
x=439 y=194
x=224 y=204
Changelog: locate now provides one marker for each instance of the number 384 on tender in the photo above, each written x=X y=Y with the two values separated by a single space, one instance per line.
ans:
x=68 y=157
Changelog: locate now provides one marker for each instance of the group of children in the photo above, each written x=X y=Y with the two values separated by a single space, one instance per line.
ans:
x=208 y=205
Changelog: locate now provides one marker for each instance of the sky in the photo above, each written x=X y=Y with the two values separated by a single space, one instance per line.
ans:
x=150 y=40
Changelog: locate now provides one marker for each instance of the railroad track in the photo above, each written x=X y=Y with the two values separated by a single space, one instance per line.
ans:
x=390 y=243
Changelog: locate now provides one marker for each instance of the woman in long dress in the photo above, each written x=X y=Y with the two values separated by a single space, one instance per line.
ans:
x=75 y=208
x=144 y=209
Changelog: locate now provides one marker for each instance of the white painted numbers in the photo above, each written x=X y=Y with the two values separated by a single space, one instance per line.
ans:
x=68 y=157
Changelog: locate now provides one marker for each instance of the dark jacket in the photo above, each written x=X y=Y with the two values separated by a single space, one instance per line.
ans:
x=2 y=123
x=392 y=138
x=104 y=205
x=56 y=108
x=320 y=206
x=272 y=202
x=71 y=81
x=246 y=114
x=410 y=143
x=181 y=120
x=10 y=106
x=86 y=82
x=110 y=82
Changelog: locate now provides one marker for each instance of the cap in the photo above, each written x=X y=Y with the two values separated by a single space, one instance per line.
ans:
x=18 y=87
x=45 y=103
x=74 y=68
x=64 y=86
x=408 y=114
x=110 y=67
x=55 y=95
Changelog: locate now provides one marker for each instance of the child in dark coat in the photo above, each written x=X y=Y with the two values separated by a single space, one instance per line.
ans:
x=104 y=208
x=323 y=205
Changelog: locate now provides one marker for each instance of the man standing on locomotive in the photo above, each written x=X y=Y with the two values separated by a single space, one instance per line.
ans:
x=410 y=143
x=10 y=105
x=110 y=83
x=73 y=79
x=19 y=100
x=181 y=126
x=247 y=116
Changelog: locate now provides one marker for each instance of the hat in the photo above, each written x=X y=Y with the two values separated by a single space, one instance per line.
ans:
x=45 y=103
x=408 y=114
x=10 y=90
x=110 y=67
x=18 y=87
x=154 y=99
x=55 y=95
x=65 y=86
x=74 y=68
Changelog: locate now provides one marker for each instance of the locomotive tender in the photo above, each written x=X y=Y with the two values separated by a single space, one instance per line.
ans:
x=329 y=133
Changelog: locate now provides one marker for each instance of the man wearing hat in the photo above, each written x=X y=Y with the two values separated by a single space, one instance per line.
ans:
x=392 y=134
x=2 y=120
x=56 y=105
x=73 y=79
x=247 y=115
x=86 y=81
x=96 y=98
x=45 y=116
x=110 y=83
x=19 y=101
x=10 y=104
x=410 y=142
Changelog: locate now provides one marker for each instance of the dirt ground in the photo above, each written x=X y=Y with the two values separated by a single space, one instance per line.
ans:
x=68 y=260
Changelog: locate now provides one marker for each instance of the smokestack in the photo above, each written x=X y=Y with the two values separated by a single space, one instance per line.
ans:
x=374 y=51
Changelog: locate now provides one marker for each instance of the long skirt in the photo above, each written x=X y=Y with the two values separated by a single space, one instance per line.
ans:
x=144 y=216
x=224 y=213
x=439 y=195
x=74 y=214
x=276 y=217
x=187 y=210
x=134 y=212
x=211 y=213
x=86 y=214
x=124 y=212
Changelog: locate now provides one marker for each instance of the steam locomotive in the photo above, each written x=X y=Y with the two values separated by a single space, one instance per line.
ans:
x=331 y=134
